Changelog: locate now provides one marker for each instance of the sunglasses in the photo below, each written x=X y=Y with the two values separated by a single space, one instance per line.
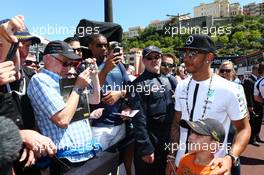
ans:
x=168 y=65
x=156 y=57
x=64 y=64
x=77 y=49
x=29 y=62
x=72 y=74
x=99 y=45
x=225 y=70
x=192 y=53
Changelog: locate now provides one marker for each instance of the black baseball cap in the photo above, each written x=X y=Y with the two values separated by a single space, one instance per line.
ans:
x=149 y=50
x=199 y=42
x=208 y=127
x=61 y=47
x=26 y=36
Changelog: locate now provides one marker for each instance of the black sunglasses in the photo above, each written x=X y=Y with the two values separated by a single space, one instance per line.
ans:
x=64 y=64
x=225 y=70
x=29 y=62
x=168 y=65
x=77 y=49
x=72 y=74
x=156 y=57
x=100 y=45
x=192 y=53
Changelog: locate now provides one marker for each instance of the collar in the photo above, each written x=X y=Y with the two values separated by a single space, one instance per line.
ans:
x=53 y=75
x=254 y=76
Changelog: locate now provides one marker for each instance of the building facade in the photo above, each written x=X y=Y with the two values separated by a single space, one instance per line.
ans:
x=133 y=32
x=158 y=24
x=254 y=9
x=250 y=9
x=218 y=8
x=235 y=9
x=134 y=58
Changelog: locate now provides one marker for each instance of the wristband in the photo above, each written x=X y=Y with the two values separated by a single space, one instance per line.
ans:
x=170 y=157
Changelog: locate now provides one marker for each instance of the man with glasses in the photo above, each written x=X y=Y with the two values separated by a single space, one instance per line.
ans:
x=72 y=137
x=34 y=144
x=205 y=95
x=152 y=96
x=109 y=128
x=167 y=64
x=74 y=43
x=31 y=62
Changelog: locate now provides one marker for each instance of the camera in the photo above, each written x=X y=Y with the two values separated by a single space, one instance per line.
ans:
x=116 y=46
x=117 y=49
x=84 y=65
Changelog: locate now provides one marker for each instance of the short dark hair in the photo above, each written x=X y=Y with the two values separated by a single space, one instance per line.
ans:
x=71 y=39
x=261 y=68
x=255 y=66
x=170 y=55
x=93 y=37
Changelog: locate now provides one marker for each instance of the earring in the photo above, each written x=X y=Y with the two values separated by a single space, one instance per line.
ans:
x=207 y=61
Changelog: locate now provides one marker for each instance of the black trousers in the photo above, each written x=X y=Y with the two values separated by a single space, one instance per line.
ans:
x=156 y=168
x=255 y=123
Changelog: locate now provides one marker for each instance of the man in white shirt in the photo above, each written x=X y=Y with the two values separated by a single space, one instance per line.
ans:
x=207 y=95
x=259 y=85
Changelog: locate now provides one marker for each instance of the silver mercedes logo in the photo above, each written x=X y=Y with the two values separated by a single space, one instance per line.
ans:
x=189 y=40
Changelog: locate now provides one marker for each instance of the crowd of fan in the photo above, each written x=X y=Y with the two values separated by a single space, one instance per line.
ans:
x=47 y=126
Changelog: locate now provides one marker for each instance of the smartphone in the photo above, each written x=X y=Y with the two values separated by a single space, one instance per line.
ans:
x=117 y=50
x=117 y=58
x=12 y=52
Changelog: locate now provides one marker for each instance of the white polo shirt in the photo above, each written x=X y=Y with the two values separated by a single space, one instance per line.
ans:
x=226 y=102
x=260 y=90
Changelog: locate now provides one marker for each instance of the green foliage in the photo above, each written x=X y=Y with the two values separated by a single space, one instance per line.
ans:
x=223 y=39
x=245 y=36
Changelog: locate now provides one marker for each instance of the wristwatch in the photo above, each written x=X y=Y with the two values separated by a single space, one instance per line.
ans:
x=78 y=90
x=235 y=160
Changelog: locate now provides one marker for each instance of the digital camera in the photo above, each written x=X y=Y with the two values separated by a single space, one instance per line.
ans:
x=84 y=65
x=116 y=47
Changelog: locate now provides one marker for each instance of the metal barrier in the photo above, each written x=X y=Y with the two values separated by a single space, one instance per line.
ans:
x=105 y=162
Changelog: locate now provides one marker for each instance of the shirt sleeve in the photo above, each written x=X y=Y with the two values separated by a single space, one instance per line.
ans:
x=141 y=134
x=236 y=103
x=45 y=98
x=256 y=91
x=183 y=162
x=124 y=73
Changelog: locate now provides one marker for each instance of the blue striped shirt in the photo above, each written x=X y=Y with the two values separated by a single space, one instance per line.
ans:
x=46 y=100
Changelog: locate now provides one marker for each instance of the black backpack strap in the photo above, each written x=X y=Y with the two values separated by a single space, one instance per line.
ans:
x=173 y=82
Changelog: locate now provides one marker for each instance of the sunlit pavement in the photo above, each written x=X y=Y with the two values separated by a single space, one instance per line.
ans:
x=252 y=160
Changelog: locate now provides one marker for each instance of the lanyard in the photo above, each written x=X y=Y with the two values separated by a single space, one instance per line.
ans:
x=194 y=102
